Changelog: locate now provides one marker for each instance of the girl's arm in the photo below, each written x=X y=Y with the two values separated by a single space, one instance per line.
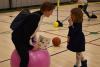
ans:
x=68 y=39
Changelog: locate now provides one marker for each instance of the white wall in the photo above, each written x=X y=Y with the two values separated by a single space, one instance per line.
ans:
x=55 y=1
x=4 y=4
x=21 y=3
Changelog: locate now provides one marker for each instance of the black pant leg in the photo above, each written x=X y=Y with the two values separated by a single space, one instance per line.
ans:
x=24 y=57
x=23 y=53
x=80 y=6
x=85 y=10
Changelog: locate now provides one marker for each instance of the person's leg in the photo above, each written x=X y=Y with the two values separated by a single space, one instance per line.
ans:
x=82 y=57
x=85 y=10
x=78 y=59
x=83 y=61
x=24 y=57
x=22 y=50
x=80 y=6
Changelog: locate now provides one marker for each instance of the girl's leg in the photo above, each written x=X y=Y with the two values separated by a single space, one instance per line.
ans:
x=78 y=59
x=83 y=61
x=82 y=57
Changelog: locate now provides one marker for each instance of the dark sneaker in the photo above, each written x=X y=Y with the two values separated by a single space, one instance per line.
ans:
x=75 y=65
x=89 y=19
x=84 y=63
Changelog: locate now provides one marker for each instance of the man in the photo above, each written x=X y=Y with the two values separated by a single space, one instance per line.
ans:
x=83 y=4
x=22 y=35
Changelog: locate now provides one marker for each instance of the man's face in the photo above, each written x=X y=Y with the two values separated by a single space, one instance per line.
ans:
x=48 y=13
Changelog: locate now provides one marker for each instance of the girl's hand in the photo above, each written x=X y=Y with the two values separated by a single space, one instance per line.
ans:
x=70 y=21
x=68 y=39
x=36 y=47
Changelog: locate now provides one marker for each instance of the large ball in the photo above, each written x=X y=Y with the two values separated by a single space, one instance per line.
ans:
x=40 y=58
x=56 y=41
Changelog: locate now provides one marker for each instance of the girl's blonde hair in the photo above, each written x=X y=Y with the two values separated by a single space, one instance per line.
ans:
x=78 y=15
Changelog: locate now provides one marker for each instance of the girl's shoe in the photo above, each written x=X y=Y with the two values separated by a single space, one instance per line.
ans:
x=84 y=63
x=75 y=65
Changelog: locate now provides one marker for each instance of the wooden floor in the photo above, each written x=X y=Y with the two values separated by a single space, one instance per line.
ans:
x=60 y=56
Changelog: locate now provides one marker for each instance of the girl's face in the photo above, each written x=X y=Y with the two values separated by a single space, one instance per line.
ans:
x=72 y=17
x=48 y=13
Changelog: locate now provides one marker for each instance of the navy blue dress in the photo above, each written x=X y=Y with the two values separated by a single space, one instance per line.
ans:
x=77 y=38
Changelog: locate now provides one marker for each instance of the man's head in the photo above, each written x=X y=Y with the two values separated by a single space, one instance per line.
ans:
x=47 y=8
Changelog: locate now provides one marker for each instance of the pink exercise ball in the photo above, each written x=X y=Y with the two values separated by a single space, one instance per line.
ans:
x=39 y=58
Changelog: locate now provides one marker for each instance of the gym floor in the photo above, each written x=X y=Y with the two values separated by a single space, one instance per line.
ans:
x=60 y=56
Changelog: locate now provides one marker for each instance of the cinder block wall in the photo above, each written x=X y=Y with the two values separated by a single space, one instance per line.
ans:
x=21 y=3
x=94 y=0
x=4 y=4
x=89 y=0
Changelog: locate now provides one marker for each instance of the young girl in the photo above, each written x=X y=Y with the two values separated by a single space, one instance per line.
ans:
x=76 y=38
x=22 y=35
